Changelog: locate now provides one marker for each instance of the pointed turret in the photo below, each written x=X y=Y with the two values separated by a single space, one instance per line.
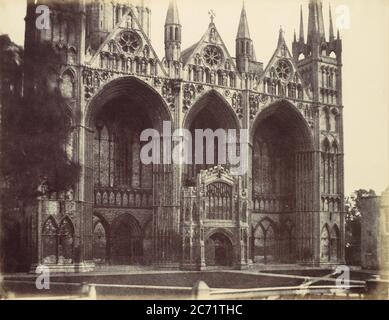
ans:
x=172 y=16
x=302 y=37
x=173 y=30
x=243 y=29
x=315 y=22
x=281 y=38
x=332 y=35
x=244 y=44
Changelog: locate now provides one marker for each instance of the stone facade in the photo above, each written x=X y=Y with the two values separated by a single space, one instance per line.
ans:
x=287 y=208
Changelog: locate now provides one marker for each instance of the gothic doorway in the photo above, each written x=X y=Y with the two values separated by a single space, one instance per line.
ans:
x=127 y=244
x=218 y=251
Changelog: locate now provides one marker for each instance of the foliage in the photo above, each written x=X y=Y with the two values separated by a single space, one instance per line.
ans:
x=36 y=130
x=353 y=225
x=353 y=203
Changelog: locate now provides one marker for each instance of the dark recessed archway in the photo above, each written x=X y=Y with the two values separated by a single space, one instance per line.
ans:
x=214 y=105
x=213 y=112
x=279 y=133
x=289 y=121
x=219 y=250
x=127 y=241
x=137 y=93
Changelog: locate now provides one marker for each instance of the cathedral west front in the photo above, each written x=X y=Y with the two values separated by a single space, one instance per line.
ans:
x=287 y=208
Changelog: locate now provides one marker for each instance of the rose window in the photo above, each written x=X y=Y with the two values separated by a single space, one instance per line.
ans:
x=130 y=42
x=212 y=56
x=283 y=70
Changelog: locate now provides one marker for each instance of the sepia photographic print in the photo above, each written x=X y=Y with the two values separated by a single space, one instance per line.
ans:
x=194 y=150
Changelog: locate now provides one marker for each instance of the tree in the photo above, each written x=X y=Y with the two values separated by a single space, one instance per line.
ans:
x=353 y=224
x=11 y=58
x=36 y=129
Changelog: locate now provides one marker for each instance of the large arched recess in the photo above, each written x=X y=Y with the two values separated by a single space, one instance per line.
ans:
x=130 y=88
x=113 y=120
x=289 y=116
x=117 y=116
x=210 y=111
x=283 y=169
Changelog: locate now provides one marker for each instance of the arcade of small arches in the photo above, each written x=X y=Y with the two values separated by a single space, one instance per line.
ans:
x=124 y=241
x=58 y=241
x=330 y=244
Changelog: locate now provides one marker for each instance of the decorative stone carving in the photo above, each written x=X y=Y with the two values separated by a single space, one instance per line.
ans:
x=237 y=104
x=92 y=80
x=189 y=96
x=255 y=100
x=284 y=70
x=200 y=88
x=130 y=41
x=169 y=90
x=213 y=56
x=157 y=82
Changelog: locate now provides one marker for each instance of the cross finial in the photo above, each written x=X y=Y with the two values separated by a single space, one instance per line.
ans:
x=212 y=15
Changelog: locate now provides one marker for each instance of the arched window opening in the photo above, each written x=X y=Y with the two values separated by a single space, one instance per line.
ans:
x=66 y=242
x=50 y=242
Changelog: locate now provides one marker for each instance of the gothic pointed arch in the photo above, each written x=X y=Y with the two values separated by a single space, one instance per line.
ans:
x=325 y=244
x=50 y=241
x=66 y=241
x=281 y=158
x=129 y=88
x=219 y=248
x=335 y=243
x=211 y=111
x=126 y=240
x=265 y=241
x=221 y=108
x=100 y=239
x=291 y=118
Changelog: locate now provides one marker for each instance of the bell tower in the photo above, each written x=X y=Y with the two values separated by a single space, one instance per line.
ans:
x=319 y=60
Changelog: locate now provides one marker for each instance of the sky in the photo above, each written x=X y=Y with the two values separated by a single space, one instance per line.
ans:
x=365 y=34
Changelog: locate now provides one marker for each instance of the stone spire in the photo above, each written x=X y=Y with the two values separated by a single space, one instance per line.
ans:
x=172 y=16
x=281 y=37
x=332 y=35
x=315 y=21
x=301 y=38
x=244 y=44
x=243 y=30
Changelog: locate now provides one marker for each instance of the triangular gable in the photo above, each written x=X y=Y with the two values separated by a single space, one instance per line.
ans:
x=111 y=44
x=211 y=37
x=283 y=53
